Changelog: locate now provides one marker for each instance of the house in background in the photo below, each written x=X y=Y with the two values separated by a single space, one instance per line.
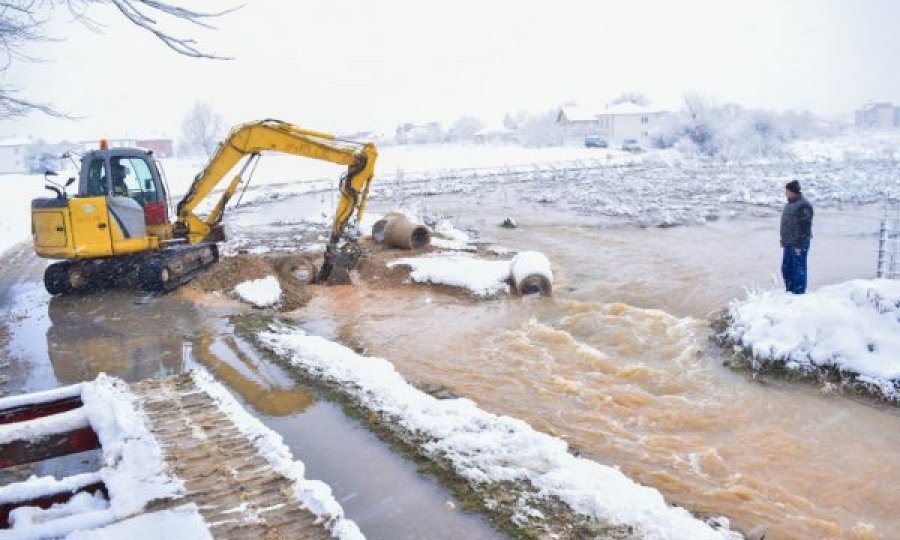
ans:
x=616 y=123
x=14 y=155
x=881 y=114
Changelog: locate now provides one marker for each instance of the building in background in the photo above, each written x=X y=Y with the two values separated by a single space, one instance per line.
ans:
x=14 y=155
x=615 y=124
x=878 y=114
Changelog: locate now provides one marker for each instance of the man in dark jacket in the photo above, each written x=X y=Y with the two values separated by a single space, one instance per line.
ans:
x=796 y=232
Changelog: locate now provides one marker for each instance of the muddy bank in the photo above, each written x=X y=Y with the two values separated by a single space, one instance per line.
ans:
x=291 y=271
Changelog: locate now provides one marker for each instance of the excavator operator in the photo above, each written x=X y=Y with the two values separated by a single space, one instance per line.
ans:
x=118 y=179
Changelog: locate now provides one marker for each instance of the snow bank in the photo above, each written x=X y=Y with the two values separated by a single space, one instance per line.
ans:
x=481 y=277
x=484 y=448
x=16 y=192
x=852 y=326
x=263 y=292
x=315 y=495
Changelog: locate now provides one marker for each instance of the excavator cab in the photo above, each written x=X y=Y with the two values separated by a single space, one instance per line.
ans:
x=119 y=209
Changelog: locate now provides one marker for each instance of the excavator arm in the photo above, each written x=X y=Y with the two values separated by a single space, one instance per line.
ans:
x=273 y=135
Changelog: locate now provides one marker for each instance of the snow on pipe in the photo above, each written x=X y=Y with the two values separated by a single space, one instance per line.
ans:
x=531 y=274
x=397 y=231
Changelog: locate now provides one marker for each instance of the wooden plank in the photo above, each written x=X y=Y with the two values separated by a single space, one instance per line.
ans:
x=39 y=410
x=45 y=501
x=55 y=445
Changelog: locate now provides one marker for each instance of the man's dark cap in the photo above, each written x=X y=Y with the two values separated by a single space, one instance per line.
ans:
x=793 y=186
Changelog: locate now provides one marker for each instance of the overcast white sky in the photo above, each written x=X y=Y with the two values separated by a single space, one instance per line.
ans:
x=359 y=64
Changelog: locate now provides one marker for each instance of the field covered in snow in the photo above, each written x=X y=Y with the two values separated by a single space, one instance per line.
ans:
x=654 y=188
x=852 y=328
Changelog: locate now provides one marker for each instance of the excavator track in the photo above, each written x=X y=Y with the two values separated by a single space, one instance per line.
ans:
x=157 y=272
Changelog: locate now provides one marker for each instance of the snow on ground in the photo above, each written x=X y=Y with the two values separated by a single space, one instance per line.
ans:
x=315 y=495
x=261 y=293
x=486 y=448
x=852 y=326
x=480 y=277
x=657 y=187
x=182 y=521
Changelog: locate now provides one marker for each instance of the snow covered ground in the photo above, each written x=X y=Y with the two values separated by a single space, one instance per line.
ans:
x=261 y=293
x=654 y=188
x=485 y=448
x=852 y=327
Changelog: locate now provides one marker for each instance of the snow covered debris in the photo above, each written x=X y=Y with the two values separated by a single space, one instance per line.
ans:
x=530 y=263
x=853 y=327
x=261 y=293
x=315 y=495
x=486 y=448
x=481 y=277
x=33 y=430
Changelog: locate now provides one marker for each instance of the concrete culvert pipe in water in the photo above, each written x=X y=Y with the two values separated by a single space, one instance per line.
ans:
x=531 y=274
x=398 y=232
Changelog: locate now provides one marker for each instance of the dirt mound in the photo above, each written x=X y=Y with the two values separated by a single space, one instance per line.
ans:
x=293 y=273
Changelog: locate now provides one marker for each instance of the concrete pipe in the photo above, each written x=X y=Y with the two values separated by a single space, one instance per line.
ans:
x=398 y=232
x=531 y=274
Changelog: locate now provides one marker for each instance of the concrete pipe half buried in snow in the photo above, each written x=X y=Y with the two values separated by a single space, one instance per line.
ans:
x=398 y=232
x=530 y=273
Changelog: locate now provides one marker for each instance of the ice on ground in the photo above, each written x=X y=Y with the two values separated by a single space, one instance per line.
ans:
x=263 y=292
x=315 y=495
x=485 y=448
x=449 y=237
x=852 y=326
x=481 y=277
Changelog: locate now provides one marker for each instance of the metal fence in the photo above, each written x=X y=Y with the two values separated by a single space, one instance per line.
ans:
x=889 y=242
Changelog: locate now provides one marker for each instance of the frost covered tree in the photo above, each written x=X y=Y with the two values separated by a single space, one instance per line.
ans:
x=22 y=24
x=535 y=129
x=729 y=131
x=201 y=130
x=632 y=97
x=465 y=128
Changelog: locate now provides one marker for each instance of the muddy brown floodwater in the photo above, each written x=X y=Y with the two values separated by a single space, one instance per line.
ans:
x=620 y=365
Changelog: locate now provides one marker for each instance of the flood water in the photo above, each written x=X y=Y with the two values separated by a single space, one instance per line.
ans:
x=619 y=364
x=64 y=340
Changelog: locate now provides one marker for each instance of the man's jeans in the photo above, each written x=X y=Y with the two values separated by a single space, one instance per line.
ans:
x=793 y=269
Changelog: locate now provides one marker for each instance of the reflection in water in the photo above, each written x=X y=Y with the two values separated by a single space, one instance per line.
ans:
x=261 y=384
x=111 y=333
x=95 y=334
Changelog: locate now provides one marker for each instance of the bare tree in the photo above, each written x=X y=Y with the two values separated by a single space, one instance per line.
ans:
x=465 y=128
x=22 y=23
x=202 y=129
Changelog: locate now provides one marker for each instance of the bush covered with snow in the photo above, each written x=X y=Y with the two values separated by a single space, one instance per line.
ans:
x=852 y=328
x=730 y=131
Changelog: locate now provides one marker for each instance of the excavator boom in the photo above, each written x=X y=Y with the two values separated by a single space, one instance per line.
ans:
x=276 y=136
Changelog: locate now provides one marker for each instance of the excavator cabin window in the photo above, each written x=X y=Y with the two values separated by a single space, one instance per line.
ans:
x=132 y=178
x=97 y=179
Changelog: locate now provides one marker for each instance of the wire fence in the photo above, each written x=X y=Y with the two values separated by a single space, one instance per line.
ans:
x=889 y=242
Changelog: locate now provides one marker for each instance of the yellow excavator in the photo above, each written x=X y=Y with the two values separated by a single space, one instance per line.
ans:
x=117 y=227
